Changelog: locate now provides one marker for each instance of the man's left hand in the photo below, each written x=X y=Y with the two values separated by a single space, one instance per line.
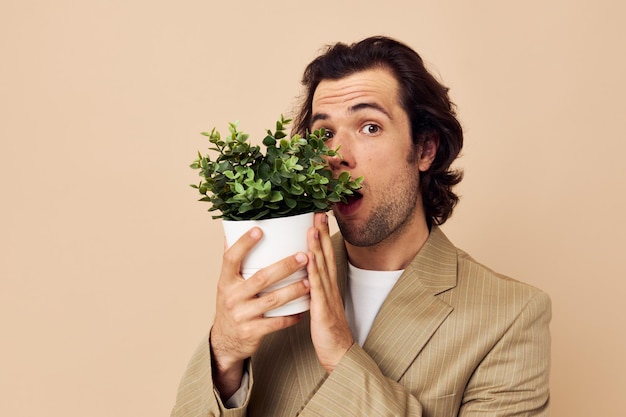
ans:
x=330 y=331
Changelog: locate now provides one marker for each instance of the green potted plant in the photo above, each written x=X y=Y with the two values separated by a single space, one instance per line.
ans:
x=277 y=190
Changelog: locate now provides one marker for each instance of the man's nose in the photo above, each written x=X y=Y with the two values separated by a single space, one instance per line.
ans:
x=335 y=162
x=344 y=159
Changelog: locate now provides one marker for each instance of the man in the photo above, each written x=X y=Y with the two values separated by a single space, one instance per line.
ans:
x=401 y=322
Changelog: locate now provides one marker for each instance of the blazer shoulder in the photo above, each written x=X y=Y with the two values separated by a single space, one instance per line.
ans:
x=481 y=280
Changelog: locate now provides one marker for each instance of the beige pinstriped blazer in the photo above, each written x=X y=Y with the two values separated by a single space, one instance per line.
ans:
x=453 y=338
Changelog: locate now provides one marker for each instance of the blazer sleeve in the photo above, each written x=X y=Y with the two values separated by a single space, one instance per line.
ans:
x=357 y=387
x=197 y=397
x=513 y=378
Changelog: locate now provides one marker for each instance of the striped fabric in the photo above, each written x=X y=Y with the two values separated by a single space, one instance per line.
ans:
x=452 y=339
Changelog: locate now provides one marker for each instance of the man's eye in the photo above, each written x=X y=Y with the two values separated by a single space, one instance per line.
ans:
x=370 y=129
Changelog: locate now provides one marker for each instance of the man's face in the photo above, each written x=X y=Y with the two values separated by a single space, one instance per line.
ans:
x=362 y=113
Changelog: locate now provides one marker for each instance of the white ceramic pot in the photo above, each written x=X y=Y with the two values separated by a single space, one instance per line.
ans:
x=282 y=237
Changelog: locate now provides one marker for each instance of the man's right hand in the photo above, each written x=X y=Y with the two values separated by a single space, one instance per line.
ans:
x=239 y=325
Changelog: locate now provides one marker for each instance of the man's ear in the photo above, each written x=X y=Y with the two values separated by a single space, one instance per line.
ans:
x=428 y=151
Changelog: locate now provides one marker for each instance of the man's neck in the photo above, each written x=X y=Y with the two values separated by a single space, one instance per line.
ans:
x=392 y=254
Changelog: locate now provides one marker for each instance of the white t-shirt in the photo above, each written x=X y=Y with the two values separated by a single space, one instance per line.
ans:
x=366 y=293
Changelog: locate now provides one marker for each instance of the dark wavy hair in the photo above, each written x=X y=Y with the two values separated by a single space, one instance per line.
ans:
x=424 y=99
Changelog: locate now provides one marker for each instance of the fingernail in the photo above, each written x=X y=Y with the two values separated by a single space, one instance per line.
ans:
x=301 y=257
x=325 y=218
x=255 y=233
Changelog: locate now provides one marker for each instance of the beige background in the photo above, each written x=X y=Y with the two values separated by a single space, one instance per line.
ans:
x=108 y=264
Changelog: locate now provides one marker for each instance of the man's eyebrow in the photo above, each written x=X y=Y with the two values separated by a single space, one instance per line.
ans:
x=318 y=116
x=353 y=109
x=374 y=106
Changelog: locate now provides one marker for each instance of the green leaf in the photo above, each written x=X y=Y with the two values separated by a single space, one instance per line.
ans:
x=291 y=203
x=276 y=196
x=260 y=215
x=245 y=207
x=296 y=189
x=269 y=141
x=320 y=205
x=344 y=176
x=318 y=195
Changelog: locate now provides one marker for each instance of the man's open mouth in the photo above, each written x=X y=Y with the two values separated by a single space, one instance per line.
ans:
x=351 y=205
x=352 y=198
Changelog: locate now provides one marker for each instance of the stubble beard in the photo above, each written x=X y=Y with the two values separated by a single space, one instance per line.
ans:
x=393 y=213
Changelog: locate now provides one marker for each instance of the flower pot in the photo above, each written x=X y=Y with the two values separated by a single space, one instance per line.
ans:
x=282 y=237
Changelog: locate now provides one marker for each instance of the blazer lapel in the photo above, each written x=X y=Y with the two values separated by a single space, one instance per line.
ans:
x=412 y=312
